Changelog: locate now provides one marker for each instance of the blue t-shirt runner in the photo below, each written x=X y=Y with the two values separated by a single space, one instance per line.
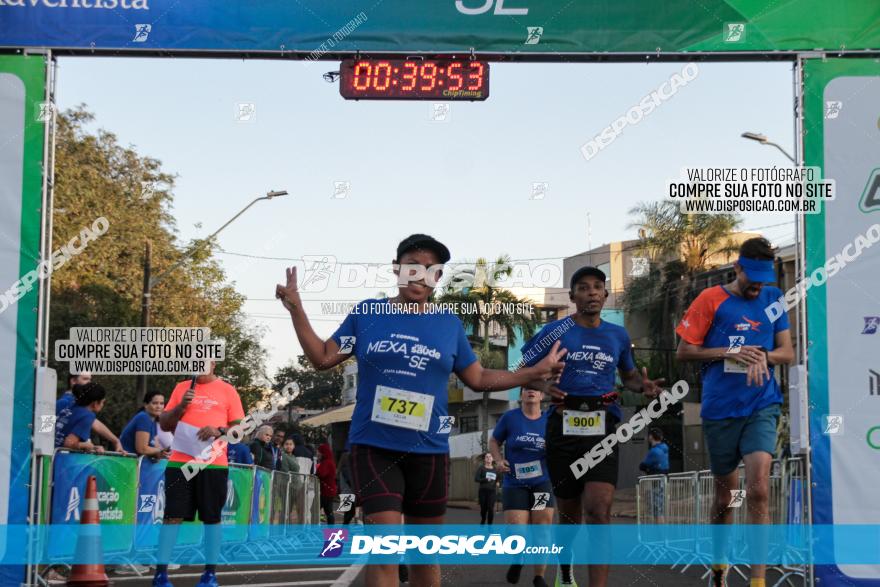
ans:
x=142 y=422
x=65 y=401
x=523 y=440
x=404 y=363
x=718 y=318
x=76 y=420
x=593 y=358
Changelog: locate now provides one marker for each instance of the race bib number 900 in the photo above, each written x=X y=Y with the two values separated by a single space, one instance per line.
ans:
x=401 y=408
x=576 y=423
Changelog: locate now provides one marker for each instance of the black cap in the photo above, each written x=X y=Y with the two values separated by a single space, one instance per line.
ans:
x=583 y=272
x=423 y=241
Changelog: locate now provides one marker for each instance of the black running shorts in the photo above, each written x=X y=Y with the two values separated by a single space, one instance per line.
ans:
x=390 y=480
x=205 y=493
x=562 y=451
x=525 y=497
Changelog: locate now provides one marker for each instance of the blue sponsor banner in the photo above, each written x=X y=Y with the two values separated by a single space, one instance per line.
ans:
x=498 y=26
x=117 y=484
x=151 y=500
x=624 y=544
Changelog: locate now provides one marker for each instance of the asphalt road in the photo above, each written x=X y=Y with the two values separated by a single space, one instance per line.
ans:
x=345 y=573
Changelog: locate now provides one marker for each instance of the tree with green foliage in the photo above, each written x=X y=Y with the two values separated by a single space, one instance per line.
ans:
x=680 y=246
x=482 y=293
x=318 y=390
x=96 y=176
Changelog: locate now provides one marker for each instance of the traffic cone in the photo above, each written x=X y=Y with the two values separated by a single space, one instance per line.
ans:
x=88 y=545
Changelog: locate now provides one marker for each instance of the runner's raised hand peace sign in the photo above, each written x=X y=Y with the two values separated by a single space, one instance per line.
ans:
x=289 y=293
x=551 y=366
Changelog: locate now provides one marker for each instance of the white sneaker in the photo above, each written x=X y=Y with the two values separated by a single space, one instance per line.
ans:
x=139 y=570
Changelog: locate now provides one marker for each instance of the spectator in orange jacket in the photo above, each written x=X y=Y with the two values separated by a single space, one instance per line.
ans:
x=327 y=476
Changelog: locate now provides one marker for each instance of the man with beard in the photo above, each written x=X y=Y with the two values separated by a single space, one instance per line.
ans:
x=727 y=329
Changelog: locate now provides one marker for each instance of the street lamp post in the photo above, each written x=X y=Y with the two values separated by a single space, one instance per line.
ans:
x=151 y=282
x=754 y=136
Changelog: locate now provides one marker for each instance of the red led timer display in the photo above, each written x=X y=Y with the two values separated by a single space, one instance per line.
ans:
x=414 y=79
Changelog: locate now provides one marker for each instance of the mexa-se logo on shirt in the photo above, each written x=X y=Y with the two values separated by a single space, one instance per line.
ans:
x=419 y=356
x=599 y=359
x=531 y=438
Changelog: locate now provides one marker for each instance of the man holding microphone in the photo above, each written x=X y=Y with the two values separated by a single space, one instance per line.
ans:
x=198 y=412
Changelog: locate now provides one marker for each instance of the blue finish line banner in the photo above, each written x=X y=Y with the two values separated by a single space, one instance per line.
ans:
x=519 y=27
x=471 y=544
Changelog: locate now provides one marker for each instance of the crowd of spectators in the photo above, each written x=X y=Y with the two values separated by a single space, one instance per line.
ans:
x=76 y=423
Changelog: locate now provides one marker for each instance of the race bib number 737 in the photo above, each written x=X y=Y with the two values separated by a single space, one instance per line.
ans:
x=401 y=408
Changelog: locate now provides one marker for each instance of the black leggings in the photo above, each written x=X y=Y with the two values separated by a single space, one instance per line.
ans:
x=327 y=506
x=487 y=505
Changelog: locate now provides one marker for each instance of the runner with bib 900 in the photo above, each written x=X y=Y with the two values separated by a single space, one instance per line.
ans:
x=586 y=409
x=399 y=429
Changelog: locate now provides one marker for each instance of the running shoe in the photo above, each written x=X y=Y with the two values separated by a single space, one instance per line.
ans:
x=564 y=579
x=539 y=581
x=138 y=570
x=161 y=580
x=209 y=579
x=513 y=573
x=719 y=578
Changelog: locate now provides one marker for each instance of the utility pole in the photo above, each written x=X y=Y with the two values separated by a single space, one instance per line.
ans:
x=150 y=282
x=145 y=307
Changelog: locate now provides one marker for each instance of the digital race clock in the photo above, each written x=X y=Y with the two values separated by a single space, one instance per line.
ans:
x=414 y=79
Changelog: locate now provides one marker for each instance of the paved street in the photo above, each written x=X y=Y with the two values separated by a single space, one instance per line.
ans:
x=486 y=575
x=347 y=573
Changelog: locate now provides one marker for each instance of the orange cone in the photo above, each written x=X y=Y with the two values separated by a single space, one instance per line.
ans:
x=88 y=545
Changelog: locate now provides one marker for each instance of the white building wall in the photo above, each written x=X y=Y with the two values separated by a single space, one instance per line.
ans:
x=466 y=445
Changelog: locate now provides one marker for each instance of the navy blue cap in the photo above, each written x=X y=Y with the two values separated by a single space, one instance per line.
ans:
x=583 y=272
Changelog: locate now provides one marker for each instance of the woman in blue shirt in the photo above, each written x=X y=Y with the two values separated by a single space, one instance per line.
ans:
x=73 y=427
x=139 y=434
x=527 y=493
x=406 y=350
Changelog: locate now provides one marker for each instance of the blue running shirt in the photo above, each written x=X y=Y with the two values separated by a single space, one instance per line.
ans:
x=404 y=363
x=718 y=318
x=593 y=358
x=523 y=441
x=142 y=422
x=74 y=420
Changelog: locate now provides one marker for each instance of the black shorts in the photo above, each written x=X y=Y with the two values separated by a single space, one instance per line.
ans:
x=522 y=497
x=390 y=480
x=562 y=451
x=205 y=493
